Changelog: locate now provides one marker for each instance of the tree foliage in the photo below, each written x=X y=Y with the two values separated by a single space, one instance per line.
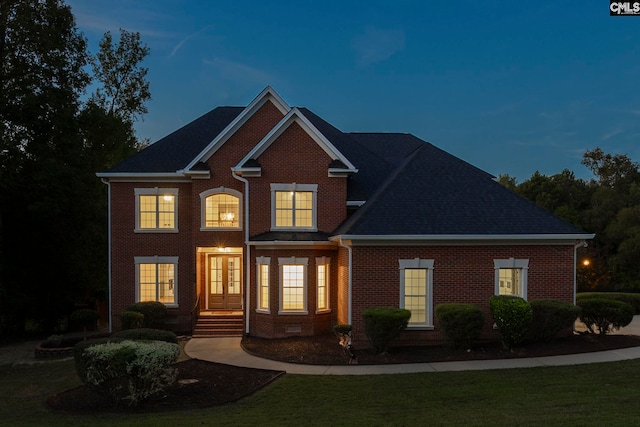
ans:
x=53 y=245
x=608 y=205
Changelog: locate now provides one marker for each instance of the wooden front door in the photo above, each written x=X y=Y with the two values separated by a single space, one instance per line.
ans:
x=225 y=282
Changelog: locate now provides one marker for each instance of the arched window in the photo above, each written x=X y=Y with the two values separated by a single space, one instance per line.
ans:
x=221 y=209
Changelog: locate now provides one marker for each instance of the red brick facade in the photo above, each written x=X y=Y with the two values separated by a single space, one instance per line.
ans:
x=360 y=276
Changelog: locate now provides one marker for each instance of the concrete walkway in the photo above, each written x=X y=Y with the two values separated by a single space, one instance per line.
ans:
x=228 y=351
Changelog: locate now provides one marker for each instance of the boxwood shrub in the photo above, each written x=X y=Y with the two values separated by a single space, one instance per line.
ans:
x=631 y=299
x=131 y=320
x=460 y=323
x=383 y=324
x=604 y=314
x=147 y=334
x=512 y=316
x=550 y=317
x=154 y=312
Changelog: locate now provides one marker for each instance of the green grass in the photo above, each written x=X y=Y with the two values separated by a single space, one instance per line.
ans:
x=585 y=395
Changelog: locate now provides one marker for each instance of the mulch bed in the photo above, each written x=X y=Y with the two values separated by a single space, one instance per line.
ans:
x=218 y=384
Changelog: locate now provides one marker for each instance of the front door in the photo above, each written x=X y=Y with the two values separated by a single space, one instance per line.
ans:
x=225 y=282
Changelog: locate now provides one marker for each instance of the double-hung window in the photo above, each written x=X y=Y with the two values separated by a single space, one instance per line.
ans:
x=293 y=285
x=511 y=277
x=322 y=284
x=293 y=206
x=416 y=291
x=156 y=209
x=262 y=284
x=156 y=280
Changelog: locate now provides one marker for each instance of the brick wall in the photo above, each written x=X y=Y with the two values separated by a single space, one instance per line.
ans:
x=460 y=274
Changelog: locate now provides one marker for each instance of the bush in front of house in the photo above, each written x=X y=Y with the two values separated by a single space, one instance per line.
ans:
x=631 y=299
x=512 y=316
x=131 y=320
x=605 y=315
x=79 y=356
x=460 y=323
x=154 y=312
x=130 y=371
x=383 y=324
x=550 y=317
x=147 y=334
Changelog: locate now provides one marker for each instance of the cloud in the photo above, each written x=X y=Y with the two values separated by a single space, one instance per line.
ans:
x=376 y=45
x=181 y=43
x=236 y=71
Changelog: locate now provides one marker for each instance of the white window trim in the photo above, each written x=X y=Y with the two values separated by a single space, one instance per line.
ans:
x=522 y=264
x=327 y=263
x=259 y=262
x=156 y=191
x=313 y=188
x=203 y=208
x=158 y=260
x=293 y=261
x=422 y=264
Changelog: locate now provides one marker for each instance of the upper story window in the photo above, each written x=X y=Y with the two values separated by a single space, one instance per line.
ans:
x=511 y=277
x=156 y=209
x=221 y=209
x=293 y=206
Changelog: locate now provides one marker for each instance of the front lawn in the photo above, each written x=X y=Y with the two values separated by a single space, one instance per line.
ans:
x=597 y=394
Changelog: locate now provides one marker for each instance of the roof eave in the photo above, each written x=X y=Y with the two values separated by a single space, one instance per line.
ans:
x=463 y=238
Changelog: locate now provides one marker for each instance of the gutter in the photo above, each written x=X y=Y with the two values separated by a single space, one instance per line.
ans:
x=108 y=184
x=580 y=244
x=248 y=255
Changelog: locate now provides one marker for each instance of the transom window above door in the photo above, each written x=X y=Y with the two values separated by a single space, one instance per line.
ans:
x=293 y=206
x=221 y=209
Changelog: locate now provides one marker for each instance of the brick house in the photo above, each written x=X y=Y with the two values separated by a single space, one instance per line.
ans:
x=271 y=213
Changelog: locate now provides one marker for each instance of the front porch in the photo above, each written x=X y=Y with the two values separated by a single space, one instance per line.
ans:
x=219 y=323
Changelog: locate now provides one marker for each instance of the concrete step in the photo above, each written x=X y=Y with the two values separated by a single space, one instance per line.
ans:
x=211 y=326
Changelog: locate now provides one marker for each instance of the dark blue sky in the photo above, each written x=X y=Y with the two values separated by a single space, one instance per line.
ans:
x=511 y=87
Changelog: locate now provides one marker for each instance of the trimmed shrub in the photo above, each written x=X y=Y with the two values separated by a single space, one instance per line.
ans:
x=460 y=323
x=131 y=371
x=79 y=356
x=131 y=320
x=550 y=317
x=631 y=299
x=512 y=316
x=605 y=315
x=147 y=334
x=383 y=324
x=154 y=312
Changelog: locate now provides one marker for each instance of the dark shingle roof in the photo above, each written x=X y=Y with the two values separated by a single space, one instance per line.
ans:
x=410 y=186
x=178 y=149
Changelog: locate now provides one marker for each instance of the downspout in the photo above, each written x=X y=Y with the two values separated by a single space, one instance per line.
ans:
x=108 y=184
x=580 y=244
x=248 y=254
x=349 y=284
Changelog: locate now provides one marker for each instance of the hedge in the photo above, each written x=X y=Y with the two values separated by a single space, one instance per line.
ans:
x=550 y=317
x=383 y=324
x=604 y=314
x=631 y=299
x=512 y=316
x=460 y=323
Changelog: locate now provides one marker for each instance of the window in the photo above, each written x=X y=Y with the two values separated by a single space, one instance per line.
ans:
x=220 y=209
x=262 y=277
x=416 y=293
x=156 y=279
x=156 y=209
x=293 y=206
x=322 y=284
x=511 y=277
x=293 y=285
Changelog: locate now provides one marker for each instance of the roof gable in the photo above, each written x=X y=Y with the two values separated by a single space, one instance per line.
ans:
x=296 y=116
x=267 y=95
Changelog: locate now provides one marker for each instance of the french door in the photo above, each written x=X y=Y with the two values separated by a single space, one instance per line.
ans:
x=225 y=282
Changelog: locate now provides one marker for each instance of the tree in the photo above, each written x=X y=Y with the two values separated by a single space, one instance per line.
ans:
x=53 y=226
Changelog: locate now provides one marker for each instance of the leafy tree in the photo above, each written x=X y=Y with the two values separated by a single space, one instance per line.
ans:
x=53 y=225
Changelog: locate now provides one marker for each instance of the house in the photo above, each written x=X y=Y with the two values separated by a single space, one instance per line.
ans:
x=270 y=212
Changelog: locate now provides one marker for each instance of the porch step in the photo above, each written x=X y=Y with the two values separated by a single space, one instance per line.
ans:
x=212 y=326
